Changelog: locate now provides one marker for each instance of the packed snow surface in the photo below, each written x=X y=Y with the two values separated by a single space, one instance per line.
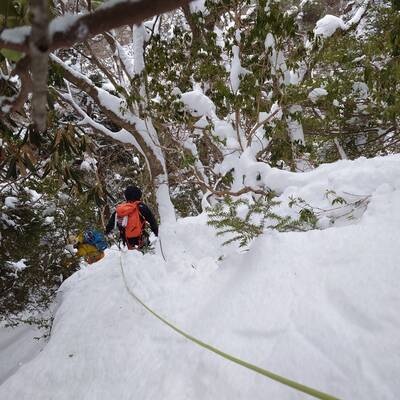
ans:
x=319 y=307
x=17 y=346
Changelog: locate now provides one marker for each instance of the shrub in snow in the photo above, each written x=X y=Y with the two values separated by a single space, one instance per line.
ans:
x=244 y=219
x=32 y=259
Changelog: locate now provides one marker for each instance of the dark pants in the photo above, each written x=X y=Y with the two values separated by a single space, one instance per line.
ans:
x=137 y=242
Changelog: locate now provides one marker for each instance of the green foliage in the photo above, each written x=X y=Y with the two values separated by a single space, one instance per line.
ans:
x=355 y=117
x=36 y=231
x=245 y=219
x=186 y=198
x=67 y=199
x=11 y=55
x=342 y=209
x=49 y=209
x=14 y=12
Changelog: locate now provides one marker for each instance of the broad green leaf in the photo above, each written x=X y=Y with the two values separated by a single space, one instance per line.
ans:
x=11 y=55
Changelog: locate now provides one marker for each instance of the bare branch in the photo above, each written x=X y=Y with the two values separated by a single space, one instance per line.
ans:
x=117 y=48
x=340 y=149
x=196 y=32
x=93 y=58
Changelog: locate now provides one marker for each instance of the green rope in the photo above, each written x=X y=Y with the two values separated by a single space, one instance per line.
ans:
x=298 y=386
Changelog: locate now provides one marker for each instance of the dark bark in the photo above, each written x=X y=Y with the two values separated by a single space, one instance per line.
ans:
x=156 y=168
x=102 y=20
x=39 y=53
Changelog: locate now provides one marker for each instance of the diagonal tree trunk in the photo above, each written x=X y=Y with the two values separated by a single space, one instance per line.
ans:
x=143 y=134
x=39 y=51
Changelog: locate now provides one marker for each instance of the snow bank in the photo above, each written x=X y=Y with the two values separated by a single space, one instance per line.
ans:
x=319 y=307
x=18 y=346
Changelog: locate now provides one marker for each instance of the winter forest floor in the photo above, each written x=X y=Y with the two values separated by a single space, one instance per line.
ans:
x=320 y=307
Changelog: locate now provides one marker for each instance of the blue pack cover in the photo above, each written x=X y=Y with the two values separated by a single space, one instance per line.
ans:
x=95 y=238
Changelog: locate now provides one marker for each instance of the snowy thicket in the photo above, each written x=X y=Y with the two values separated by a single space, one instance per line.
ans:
x=209 y=97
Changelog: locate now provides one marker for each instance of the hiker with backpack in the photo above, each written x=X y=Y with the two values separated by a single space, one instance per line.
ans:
x=90 y=245
x=130 y=218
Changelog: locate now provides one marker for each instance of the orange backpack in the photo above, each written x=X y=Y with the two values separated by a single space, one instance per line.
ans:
x=129 y=218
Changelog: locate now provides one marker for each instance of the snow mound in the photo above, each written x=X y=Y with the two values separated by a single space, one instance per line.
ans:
x=18 y=346
x=11 y=202
x=316 y=93
x=18 y=265
x=328 y=25
x=198 y=104
x=319 y=307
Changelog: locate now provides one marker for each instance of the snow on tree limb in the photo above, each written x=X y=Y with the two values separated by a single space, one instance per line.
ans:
x=358 y=14
x=113 y=14
x=122 y=136
x=63 y=32
x=111 y=105
x=329 y=24
x=134 y=130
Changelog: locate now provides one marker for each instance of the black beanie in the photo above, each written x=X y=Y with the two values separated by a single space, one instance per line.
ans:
x=133 y=193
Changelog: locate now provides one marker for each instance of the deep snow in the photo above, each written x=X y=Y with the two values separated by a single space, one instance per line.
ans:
x=320 y=307
x=18 y=346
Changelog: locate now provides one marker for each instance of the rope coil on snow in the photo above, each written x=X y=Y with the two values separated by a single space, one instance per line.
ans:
x=281 y=379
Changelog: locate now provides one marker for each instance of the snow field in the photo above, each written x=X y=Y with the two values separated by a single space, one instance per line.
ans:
x=17 y=346
x=319 y=307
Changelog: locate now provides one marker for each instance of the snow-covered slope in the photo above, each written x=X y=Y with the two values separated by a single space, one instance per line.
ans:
x=320 y=307
x=18 y=346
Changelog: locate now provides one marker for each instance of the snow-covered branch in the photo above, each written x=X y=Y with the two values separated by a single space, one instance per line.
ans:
x=329 y=24
x=67 y=30
x=111 y=106
x=224 y=193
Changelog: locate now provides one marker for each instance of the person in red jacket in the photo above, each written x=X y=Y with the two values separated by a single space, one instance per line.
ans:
x=131 y=218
